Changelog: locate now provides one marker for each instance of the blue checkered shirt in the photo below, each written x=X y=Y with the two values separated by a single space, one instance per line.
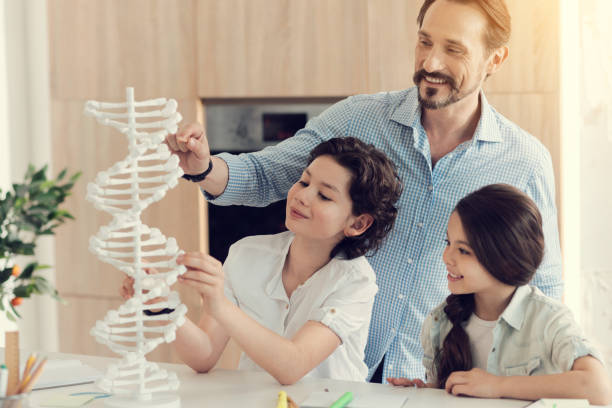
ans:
x=410 y=273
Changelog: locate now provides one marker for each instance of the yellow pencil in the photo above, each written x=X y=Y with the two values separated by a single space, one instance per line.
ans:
x=34 y=377
x=29 y=365
x=282 y=400
x=26 y=373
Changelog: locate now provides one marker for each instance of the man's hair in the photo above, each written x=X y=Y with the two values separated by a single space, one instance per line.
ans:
x=498 y=19
x=503 y=227
x=374 y=189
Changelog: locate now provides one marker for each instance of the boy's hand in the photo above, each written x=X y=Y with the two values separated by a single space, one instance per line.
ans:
x=475 y=383
x=406 y=382
x=191 y=146
x=204 y=274
x=127 y=288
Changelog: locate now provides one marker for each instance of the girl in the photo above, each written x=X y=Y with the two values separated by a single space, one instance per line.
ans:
x=299 y=302
x=495 y=336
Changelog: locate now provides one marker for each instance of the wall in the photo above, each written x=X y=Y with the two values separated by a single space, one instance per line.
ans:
x=25 y=128
x=596 y=167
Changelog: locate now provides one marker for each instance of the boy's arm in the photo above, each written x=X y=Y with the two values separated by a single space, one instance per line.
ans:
x=201 y=345
x=587 y=379
x=287 y=360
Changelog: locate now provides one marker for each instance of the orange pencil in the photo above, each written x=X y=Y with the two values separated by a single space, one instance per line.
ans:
x=34 y=377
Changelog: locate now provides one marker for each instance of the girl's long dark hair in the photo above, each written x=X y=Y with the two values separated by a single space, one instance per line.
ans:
x=504 y=229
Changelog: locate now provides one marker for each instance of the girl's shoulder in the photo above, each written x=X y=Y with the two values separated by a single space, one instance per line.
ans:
x=537 y=302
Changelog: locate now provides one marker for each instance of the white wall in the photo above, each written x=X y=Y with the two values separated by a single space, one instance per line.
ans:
x=596 y=172
x=25 y=128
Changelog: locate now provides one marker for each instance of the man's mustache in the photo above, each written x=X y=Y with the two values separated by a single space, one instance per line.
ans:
x=421 y=74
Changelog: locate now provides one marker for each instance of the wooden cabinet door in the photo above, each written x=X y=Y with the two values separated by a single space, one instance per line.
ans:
x=281 y=48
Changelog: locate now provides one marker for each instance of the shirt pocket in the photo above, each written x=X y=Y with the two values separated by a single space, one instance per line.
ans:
x=526 y=368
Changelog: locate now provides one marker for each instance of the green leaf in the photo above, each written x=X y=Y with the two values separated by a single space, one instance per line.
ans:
x=23 y=291
x=29 y=172
x=14 y=311
x=5 y=274
x=40 y=174
x=75 y=176
x=61 y=174
x=28 y=270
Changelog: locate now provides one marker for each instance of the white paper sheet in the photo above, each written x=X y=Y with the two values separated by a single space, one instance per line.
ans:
x=321 y=399
x=59 y=373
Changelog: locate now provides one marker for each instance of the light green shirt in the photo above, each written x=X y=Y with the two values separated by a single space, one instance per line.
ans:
x=535 y=335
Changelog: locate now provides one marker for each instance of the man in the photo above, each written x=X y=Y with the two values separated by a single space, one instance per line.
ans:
x=446 y=140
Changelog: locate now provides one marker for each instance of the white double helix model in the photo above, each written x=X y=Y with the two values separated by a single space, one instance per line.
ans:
x=124 y=191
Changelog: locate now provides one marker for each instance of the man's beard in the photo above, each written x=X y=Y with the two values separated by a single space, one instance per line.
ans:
x=428 y=102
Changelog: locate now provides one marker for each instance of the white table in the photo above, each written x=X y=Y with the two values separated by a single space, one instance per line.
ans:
x=230 y=388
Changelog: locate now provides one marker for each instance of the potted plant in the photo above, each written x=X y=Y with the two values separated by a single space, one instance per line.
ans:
x=28 y=211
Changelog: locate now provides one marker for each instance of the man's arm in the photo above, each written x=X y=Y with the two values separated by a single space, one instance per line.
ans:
x=258 y=178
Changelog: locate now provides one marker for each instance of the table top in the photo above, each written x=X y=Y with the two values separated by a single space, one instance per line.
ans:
x=235 y=388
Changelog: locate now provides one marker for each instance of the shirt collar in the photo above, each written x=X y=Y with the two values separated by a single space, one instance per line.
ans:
x=274 y=288
x=408 y=113
x=514 y=314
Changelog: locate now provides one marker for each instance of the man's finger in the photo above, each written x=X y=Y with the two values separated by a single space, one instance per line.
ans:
x=171 y=142
x=198 y=148
x=419 y=383
x=404 y=382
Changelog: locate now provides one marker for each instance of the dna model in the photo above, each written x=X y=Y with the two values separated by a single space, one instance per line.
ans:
x=124 y=191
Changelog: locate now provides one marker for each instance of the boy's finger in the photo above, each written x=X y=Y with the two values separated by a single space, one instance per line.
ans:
x=198 y=276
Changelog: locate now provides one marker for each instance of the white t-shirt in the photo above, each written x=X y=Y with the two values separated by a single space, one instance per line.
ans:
x=340 y=295
x=481 y=339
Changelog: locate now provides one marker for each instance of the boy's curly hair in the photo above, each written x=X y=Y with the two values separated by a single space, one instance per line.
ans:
x=375 y=188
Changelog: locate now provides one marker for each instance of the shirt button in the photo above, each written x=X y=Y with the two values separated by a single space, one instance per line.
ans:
x=286 y=306
x=493 y=351
x=390 y=366
x=409 y=260
x=430 y=187
x=332 y=310
x=400 y=296
x=420 y=225
x=393 y=330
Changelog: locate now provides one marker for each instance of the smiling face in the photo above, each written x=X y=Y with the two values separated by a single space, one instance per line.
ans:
x=319 y=205
x=451 y=60
x=465 y=273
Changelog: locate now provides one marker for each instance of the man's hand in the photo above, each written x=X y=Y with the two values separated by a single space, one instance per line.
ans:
x=406 y=382
x=191 y=146
x=475 y=383
x=204 y=274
